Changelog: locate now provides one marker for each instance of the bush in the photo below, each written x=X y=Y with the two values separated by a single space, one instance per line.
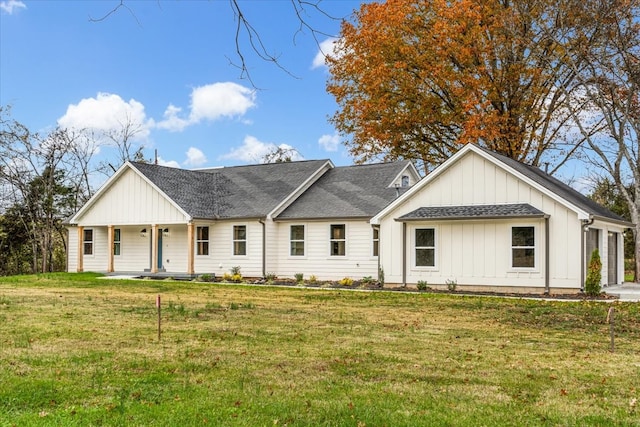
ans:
x=422 y=285
x=347 y=281
x=313 y=279
x=594 y=275
x=299 y=277
x=452 y=285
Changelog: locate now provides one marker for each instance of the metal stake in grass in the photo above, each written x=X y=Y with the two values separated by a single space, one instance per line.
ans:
x=159 y=316
x=610 y=322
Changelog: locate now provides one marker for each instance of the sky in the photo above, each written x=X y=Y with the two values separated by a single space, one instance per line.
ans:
x=172 y=67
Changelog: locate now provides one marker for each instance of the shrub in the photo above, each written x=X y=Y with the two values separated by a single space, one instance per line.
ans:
x=422 y=285
x=226 y=277
x=235 y=270
x=594 y=275
x=451 y=284
x=270 y=277
x=206 y=277
x=381 y=276
x=236 y=278
x=347 y=281
x=299 y=277
x=313 y=279
x=367 y=280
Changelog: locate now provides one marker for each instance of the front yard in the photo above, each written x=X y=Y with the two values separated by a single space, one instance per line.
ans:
x=77 y=350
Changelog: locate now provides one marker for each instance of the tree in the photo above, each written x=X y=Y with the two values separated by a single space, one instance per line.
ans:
x=281 y=154
x=42 y=178
x=609 y=78
x=418 y=79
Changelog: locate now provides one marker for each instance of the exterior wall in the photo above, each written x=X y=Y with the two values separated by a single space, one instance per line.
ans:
x=221 y=259
x=129 y=201
x=478 y=252
x=358 y=261
x=98 y=260
x=72 y=249
x=603 y=247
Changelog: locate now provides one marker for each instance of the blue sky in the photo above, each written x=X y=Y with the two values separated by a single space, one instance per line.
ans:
x=169 y=66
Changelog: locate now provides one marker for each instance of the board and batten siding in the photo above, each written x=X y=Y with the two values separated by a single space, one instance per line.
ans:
x=479 y=252
x=131 y=200
x=357 y=263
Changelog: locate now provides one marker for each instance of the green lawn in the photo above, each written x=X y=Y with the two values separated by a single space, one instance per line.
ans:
x=77 y=350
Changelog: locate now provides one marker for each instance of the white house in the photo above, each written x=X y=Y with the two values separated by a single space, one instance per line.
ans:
x=483 y=220
x=305 y=217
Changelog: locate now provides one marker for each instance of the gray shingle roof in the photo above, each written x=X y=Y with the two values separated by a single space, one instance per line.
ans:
x=517 y=210
x=558 y=187
x=231 y=192
x=359 y=191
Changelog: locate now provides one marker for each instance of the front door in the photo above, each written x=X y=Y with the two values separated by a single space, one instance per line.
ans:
x=612 y=259
x=159 y=250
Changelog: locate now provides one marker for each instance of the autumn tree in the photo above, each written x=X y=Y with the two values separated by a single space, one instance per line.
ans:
x=607 y=66
x=418 y=79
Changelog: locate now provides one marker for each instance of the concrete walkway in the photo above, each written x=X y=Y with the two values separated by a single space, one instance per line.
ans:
x=626 y=291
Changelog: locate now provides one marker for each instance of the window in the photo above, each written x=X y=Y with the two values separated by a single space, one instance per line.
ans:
x=425 y=244
x=523 y=247
x=405 y=181
x=116 y=241
x=376 y=241
x=297 y=240
x=239 y=239
x=87 y=242
x=338 y=240
x=202 y=240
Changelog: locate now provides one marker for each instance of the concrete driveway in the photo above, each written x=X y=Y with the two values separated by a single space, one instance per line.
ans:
x=625 y=292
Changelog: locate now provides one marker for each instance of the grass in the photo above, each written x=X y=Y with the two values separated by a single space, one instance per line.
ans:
x=78 y=350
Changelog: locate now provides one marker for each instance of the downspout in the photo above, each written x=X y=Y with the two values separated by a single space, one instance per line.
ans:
x=585 y=225
x=404 y=254
x=264 y=248
x=547 y=289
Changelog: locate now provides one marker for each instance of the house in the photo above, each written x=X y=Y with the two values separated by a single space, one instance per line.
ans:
x=485 y=221
x=305 y=217
x=480 y=220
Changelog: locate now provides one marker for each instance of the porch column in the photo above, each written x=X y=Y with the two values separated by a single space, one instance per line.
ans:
x=154 y=248
x=110 y=249
x=80 y=266
x=190 y=247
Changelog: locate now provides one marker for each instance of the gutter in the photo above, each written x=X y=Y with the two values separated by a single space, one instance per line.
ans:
x=583 y=229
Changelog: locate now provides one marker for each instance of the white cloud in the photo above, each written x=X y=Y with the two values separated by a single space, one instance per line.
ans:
x=11 y=6
x=329 y=142
x=107 y=112
x=169 y=163
x=253 y=151
x=195 y=157
x=329 y=47
x=210 y=102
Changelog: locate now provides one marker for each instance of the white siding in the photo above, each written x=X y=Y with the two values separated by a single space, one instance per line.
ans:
x=357 y=263
x=98 y=260
x=221 y=259
x=131 y=200
x=478 y=252
x=72 y=249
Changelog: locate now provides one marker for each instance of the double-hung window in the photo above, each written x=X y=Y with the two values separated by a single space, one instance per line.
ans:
x=202 y=240
x=239 y=239
x=425 y=247
x=338 y=240
x=376 y=241
x=87 y=242
x=116 y=241
x=296 y=237
x=523 y=247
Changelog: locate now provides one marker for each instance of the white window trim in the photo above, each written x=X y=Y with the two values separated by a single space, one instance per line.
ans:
x=196 y=241
x=373 y=240
x=304 y=242
x=246 y=241
x=536 y=247
x=436 y=246
x=331 y=240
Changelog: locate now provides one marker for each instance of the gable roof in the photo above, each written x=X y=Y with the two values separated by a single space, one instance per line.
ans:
x=231 y=192
x=559 y=191
x=358 y=191
x=557 y=187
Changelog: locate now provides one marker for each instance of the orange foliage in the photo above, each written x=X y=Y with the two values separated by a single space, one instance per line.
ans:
x=418 y=79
